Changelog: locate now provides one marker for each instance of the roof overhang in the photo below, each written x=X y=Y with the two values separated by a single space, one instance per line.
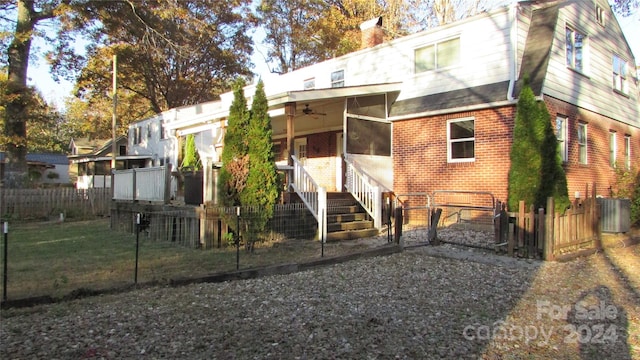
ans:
x=109 y=158
x=332 y=93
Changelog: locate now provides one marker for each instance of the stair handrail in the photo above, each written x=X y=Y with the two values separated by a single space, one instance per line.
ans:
x=312 y=195
x=368 y=195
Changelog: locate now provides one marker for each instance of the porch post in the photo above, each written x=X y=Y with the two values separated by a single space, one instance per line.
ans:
x=207 y=176
x=290 y=111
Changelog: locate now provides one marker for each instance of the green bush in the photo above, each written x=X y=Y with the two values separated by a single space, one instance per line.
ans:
x=627 y=186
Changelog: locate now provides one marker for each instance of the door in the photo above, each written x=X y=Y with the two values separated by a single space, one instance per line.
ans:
x=300 y=149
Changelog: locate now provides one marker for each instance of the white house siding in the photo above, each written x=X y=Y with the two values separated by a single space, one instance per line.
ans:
x=523 y=21
x=485 y=59
x=592 y=89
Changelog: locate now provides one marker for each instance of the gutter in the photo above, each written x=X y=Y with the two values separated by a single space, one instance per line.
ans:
x=454 y=110
x=513 y=14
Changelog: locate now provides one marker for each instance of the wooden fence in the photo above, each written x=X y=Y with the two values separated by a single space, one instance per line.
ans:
x=43 y=204
x=209 y=227
x=533 y=234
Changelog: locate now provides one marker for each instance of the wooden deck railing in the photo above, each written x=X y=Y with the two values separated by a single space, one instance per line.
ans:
x=312 y=195
x=369 y=196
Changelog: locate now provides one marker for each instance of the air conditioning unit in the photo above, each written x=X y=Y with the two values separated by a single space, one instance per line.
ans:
x=615 y=215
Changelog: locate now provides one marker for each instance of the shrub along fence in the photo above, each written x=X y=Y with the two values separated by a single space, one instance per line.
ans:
x=43 y=204
x=211 y=226
x=552 y=235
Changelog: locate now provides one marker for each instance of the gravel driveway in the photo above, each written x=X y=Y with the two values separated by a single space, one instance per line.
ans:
x=411 y=305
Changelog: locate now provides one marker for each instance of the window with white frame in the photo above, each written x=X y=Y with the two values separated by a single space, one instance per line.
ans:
x=161 y=130
x=575 y=49
x=337 y=79
x=600 y=14
x=620 y=71
x=561 y=135
x=137 y=135
x=582 y=143
x=149 y=131
x=613 y=148
x=627 y=152
x=437 y=56
x=309 y=84
x=461 y=140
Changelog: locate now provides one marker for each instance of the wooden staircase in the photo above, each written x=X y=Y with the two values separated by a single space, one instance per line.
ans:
x=346 y=219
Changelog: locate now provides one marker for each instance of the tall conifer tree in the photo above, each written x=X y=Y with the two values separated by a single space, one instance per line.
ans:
x=536 y=169
x=262 y=189
x=235 y=158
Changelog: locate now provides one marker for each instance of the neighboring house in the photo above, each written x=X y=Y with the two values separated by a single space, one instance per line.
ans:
x=44 y=168
x=435 y=110
x=91 y=161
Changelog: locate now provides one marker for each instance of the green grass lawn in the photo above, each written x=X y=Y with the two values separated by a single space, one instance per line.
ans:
x=54 y=259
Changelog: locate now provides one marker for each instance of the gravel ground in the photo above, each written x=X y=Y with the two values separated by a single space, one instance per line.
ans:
x=423 y=303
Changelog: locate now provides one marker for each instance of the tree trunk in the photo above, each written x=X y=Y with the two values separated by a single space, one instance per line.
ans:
x=15 y=129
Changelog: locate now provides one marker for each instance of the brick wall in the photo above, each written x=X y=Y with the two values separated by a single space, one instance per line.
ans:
x=420 y=152
x=597 y=170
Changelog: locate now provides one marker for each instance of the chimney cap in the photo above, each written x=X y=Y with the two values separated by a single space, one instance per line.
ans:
x=377 y=21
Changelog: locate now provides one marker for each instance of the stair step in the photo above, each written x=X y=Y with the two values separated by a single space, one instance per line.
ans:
x=341 y=202
x=343 y=209
x=353 y=225
x=336 y=218
x=351 y=234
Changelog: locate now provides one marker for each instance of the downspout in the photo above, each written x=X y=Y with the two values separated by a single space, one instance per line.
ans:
x=513 y=43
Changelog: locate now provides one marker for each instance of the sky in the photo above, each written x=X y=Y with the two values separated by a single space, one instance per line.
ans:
x=55 y=92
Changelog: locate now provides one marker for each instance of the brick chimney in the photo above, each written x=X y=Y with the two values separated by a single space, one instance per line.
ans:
x=372 y=33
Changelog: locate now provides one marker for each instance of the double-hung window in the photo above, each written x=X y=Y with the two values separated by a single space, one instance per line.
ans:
x=575 y=49
x=613 y=148
x=620 y=71
x=337 y=79
x=627 y=151
x=561 y=135
x=461 y=140
x=309 y=84
x=437 y=56
x=582 y=143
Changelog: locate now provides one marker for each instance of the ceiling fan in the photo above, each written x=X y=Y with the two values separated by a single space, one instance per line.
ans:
x=308 y=111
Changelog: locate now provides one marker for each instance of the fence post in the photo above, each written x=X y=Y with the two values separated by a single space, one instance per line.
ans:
x=377 y=207
x=6 y=259
x=398 y=224
x=322 y=214
x=548 y=233
x=135 y=186
x=167 y=184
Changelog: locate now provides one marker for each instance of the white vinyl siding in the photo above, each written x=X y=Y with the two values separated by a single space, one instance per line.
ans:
x=593 y=92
